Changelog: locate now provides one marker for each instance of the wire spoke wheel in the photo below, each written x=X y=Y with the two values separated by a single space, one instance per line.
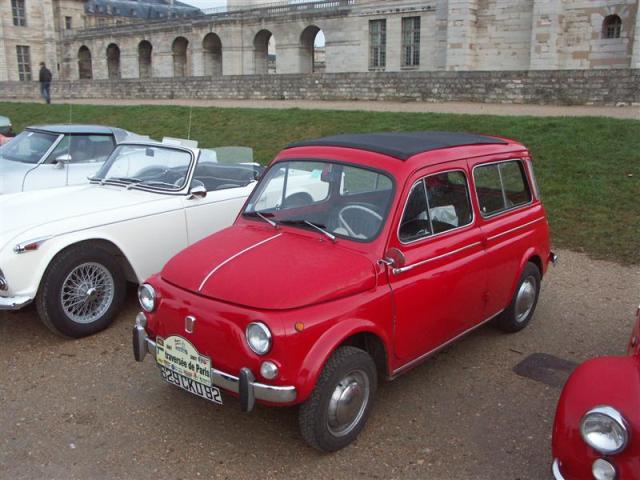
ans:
x=87 y=292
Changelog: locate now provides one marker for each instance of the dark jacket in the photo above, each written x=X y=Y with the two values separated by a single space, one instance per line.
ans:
x=45 y=75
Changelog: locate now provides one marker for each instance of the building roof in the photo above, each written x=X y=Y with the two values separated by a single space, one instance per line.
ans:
x=402 y=145
x=143 y=9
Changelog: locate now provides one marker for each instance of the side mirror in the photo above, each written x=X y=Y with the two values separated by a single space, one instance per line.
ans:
x=62 y=160
x=197 y=191
x=394 y=258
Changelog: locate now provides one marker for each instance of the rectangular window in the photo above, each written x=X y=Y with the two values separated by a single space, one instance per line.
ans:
x=501 y=186
x=436 y=204
x=68 y=23
x=18 y=10
x=411 y=42
x=378 y=43
x=24 y=63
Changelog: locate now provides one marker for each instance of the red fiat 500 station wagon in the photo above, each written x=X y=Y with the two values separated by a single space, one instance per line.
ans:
x=597 y=424
x=355 y=258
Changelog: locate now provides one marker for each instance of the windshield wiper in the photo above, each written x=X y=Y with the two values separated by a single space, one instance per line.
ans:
x=258 y=214
x=319 y=227
x=156 y=182
x=123 y=179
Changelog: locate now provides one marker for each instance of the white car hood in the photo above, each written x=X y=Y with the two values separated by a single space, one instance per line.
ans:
x=28 y=215
x=12 y=175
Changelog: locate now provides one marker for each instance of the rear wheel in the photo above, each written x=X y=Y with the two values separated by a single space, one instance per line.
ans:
x=81 y=291
x=341 y=402
x=523 y=304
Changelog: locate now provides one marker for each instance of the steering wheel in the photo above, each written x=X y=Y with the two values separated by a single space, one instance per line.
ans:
x=362 y=221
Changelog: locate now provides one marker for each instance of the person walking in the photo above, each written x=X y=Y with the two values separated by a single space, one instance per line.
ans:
x=45 y=82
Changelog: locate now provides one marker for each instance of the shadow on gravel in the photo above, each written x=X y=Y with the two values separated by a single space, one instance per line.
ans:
x=545 y=368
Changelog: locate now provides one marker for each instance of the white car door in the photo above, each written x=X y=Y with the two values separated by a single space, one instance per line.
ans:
x=214 y=212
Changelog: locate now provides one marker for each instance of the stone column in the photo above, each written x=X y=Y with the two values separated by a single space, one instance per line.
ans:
x=461 y=34
x=635 y=55
x=544 y=35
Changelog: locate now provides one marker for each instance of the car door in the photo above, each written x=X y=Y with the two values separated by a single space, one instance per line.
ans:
x=74 y=158
x=440 y=292
x=227 y=187
x=508 y=219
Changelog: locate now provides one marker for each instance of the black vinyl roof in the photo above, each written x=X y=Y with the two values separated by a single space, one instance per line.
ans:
x=401 y=145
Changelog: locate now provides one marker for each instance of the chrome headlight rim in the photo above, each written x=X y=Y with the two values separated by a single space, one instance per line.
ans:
x=148 y=302
x=613 y=415
x=264 y=330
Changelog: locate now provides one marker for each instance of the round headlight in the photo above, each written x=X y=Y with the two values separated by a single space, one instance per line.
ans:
x=603 y=470
x=258 y=338
x=147 y=297
x=605 y=430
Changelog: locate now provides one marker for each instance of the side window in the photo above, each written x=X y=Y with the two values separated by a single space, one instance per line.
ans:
x=448 y=198
x=516 y=190
x=61 y=149
x=436 y=204
x=415 y=222
x=90 y=148
x=501 y=186
x=358 y=180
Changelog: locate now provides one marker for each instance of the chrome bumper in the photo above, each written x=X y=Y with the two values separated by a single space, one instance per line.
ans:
x=555 y=469
x=244 y=385
x=14 y=303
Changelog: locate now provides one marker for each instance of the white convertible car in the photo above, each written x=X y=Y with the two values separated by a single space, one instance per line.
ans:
x=72 y=249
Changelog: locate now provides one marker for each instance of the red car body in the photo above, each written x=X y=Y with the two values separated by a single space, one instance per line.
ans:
x=602 y=381
x=317 y=295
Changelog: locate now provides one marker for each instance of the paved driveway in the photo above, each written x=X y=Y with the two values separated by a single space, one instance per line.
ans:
x=85 y=409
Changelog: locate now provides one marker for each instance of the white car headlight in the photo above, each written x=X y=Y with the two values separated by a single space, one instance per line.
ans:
x=605 y=429
x=258 y=338
x=147 y=297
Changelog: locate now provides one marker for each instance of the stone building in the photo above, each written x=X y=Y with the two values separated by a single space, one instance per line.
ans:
x=113 y=39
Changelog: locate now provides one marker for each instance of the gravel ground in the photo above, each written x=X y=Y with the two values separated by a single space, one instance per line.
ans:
x=627 y=112
x=85 y=409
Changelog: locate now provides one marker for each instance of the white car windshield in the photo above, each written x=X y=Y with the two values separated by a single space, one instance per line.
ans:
x=340 y=200
x=153 y=166
x=28 y=147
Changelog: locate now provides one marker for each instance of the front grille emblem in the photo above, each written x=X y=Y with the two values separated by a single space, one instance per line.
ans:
x=189 y=323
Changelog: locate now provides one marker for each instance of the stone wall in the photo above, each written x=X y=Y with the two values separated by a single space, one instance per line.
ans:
x=564 y=87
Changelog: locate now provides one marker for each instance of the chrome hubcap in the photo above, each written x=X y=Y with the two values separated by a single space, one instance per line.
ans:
x=348 y=403
x=525 y=298
x=87 y=292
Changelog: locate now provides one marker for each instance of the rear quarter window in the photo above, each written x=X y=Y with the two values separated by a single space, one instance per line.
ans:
x=501 y=186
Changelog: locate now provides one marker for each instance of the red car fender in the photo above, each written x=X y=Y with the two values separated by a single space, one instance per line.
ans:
x=611 y=381
x=324 y=347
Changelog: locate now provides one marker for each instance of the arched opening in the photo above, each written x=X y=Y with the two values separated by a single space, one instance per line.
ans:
x=85 y=70
x=144 y=59
x=264 y=46
x=612 y=27
x=212 y=54
x=179 y=51
x=113 y=61
x=313 y=50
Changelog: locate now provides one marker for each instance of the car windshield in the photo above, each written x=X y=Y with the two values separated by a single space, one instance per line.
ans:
x=336 y=199
x=28 y=147
x=155 y=166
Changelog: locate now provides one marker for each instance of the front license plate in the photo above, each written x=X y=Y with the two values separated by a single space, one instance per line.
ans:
x=179 y=355
x=208 y=393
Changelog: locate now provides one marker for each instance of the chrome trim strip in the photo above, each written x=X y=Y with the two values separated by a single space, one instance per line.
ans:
x=515 y=229
x=433 y=235
x=397 y=271
x=423 y=357
x=267 y=393
x=233 y=257
x=14 y=303
x=555 y=469
x=515 y=207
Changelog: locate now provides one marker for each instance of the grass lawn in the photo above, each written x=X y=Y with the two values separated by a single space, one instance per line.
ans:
x=588 y=168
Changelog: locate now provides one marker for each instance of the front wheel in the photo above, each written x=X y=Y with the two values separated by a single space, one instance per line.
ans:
x=81 y=291
x=341 y=402
x=520 y=311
